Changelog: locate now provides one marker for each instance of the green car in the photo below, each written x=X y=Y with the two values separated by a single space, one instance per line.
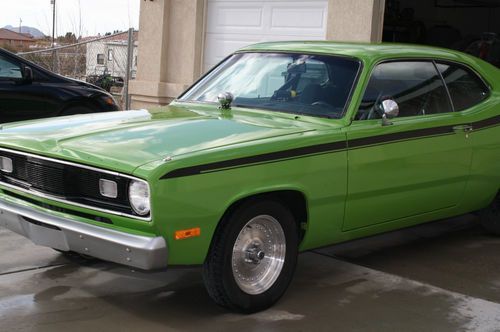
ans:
x=281 y=148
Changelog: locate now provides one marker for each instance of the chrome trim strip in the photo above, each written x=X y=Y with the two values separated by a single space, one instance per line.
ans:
x=55 y=198
x=60 y=200
x=66 y=234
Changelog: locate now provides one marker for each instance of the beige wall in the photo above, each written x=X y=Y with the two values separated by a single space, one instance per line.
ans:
x=172 y=36
x=355 y=20
x=169 y=57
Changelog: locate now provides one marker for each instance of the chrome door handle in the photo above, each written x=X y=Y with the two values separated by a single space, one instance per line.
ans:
x=463 y=128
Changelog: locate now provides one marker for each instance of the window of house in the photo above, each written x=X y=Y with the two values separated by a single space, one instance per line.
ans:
x=415 y=85
x=100 y=59
x=466 y=88
x=110 y=55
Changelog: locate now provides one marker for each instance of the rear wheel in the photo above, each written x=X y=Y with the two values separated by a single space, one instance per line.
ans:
x=490 y=217
x=253 y=257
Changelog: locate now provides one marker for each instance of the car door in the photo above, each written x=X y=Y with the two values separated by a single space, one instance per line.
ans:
x=20 y=99
x=414 y=164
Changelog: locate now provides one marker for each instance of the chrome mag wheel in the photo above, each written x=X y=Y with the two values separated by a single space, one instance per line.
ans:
x=252 y=257
x=258 y=254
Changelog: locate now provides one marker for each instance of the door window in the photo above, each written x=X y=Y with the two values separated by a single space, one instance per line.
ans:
x=466 y=88
x=415 y=85
x=9 y=69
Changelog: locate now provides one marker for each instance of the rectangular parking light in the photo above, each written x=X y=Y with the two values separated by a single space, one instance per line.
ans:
x=6 y=165
x=108 y=188
x=187 y=233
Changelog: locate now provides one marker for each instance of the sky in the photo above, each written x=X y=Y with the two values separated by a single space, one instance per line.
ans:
x=97 y=16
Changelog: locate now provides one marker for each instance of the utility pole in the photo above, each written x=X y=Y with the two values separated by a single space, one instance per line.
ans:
x=130 y=55
x=53 y=3
x=54 y=54
x=20 y=25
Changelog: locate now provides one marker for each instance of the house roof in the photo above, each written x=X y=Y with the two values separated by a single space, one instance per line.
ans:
x=124 y=37
x=12 y=35
x=119 y=37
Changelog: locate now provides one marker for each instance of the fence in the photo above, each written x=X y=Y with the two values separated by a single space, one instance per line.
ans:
x=109 y=62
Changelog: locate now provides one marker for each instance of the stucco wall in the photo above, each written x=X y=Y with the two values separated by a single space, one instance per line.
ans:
x=355 y=20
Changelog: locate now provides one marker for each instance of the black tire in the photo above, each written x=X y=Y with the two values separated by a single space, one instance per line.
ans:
x=218 y=274
x=489 y=217
x=73 y=110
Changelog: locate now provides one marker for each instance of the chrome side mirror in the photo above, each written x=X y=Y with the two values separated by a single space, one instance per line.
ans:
x=390 y=109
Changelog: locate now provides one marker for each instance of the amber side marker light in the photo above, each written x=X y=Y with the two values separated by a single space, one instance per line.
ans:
x=187 y=233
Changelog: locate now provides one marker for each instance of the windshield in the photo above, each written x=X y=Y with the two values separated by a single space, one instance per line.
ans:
x=296 y=83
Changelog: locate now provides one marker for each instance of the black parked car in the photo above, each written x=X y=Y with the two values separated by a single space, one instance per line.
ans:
x=28 y=91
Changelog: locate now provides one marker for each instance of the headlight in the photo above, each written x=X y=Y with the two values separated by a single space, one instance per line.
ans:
x=138 y=194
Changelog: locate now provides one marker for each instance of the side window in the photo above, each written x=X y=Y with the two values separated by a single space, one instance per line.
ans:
x=9 y=70
x=415 y=85
x=466 y=89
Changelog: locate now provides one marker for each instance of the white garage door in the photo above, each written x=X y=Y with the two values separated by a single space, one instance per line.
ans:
x=232 y=24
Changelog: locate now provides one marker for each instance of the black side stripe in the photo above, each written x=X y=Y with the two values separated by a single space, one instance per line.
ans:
x=324 y=148
x=388 y=138
x=486 y=123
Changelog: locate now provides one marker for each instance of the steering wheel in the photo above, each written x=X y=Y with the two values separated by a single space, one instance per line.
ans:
x=373 y=109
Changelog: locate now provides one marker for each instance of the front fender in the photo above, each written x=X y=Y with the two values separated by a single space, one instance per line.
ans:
x=201 y=200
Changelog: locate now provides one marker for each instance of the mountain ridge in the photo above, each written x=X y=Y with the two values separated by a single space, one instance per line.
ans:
x=26 y=29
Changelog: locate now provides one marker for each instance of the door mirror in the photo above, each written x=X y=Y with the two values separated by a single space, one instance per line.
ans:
x=27 y=75
x=390 y=109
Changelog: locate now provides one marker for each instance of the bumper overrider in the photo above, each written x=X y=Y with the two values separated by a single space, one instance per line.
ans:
x=70 y=235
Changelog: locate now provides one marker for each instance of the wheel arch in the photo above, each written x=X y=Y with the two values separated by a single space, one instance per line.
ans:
x=293 y=199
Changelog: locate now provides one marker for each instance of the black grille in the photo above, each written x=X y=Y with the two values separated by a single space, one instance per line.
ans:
x=44 y=177
x=72 y=183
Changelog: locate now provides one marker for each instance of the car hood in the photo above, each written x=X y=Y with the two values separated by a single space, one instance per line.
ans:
x=123 y=141
x=87 y=85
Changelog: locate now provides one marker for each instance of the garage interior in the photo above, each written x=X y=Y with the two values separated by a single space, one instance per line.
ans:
x=470 y=26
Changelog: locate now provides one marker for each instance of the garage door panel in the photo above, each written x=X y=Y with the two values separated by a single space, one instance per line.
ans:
x=232 y=24
x=232 y=18
x=222 y=47
x=298 y=19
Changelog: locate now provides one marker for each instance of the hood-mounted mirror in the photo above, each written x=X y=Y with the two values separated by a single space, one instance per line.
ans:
x=225 y=99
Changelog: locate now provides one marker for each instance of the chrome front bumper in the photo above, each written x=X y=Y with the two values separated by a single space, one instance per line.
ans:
x=69 y=235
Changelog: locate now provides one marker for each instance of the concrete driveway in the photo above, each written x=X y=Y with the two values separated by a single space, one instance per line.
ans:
x=443 y=276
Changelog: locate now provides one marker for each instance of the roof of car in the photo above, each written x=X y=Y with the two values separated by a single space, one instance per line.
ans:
x=359 y=50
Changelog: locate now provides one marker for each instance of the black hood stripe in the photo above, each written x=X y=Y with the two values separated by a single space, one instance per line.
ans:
x=257 y=159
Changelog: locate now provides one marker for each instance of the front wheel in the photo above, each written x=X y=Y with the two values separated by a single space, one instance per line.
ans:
x=253 y=257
